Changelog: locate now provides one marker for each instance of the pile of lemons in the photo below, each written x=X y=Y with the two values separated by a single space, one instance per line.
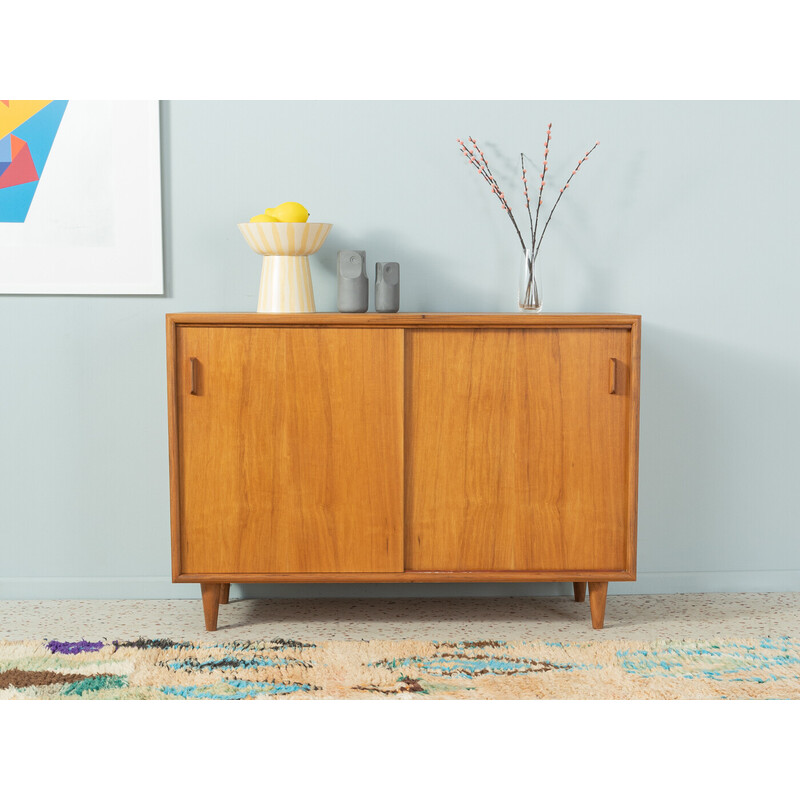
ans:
x=285 y=212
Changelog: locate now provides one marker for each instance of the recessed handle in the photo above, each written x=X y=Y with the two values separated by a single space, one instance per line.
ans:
x=193 y=362
x=612 y=375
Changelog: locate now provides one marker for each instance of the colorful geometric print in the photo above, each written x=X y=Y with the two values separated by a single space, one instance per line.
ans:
x=285 y=669
x=16 y=163
x=27 y=131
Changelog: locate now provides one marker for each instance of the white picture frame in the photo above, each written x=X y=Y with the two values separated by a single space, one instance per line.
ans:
x=94 y=223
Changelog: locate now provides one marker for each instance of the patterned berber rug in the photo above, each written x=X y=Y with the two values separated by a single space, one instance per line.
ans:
x=160 y=669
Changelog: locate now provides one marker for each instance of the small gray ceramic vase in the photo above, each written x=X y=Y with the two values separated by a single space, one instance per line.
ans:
x=387 y=286
x=353 y=285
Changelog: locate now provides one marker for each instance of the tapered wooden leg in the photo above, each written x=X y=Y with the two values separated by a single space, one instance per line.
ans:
x=224 y=593
x=210 y=592
x=579 y=588
x=597 y=601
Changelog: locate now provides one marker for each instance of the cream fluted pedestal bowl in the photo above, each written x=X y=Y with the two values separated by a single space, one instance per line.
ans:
x=285 y=273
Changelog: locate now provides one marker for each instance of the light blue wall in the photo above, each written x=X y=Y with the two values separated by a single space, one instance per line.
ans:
x=687 y=213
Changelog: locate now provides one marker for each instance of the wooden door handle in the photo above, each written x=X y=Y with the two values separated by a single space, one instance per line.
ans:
x=193 y=375
x=612 y=375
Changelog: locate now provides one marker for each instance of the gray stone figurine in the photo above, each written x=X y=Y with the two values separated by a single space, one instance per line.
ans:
x=387 y=286
x=353 y=291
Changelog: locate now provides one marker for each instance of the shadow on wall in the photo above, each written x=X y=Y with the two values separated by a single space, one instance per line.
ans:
x=719 y=437
x=592 y=252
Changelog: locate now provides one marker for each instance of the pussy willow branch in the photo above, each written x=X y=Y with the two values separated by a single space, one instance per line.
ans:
x=496 y=189
x=484 y=169
x=527 y=198
x=560 y=195
x=478 y=160
x=541 y=188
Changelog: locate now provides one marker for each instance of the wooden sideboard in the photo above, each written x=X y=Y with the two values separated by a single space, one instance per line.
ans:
x=403 y=448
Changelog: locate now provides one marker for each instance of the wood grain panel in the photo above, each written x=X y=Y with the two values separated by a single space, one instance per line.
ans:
x=290 y=453
x=516 y=451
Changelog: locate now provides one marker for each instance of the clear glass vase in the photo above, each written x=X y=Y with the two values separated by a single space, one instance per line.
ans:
x=530 y=283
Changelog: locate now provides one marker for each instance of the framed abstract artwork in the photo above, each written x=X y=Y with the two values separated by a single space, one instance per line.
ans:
x=80 y=197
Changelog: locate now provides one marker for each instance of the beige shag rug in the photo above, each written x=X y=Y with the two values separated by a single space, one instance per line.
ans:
x=767 y=668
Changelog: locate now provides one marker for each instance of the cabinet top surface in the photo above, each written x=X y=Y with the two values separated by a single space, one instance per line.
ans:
x=409 y=320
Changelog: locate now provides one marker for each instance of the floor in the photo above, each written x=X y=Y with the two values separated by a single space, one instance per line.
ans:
x=633 y=617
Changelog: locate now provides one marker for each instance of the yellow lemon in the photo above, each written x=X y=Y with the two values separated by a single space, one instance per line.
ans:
x=263 y=218
x=288 y=212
